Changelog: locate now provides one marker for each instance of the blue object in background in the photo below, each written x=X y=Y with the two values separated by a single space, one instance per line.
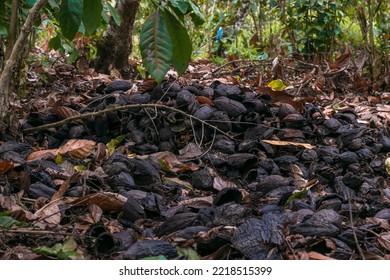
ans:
x=219 y=34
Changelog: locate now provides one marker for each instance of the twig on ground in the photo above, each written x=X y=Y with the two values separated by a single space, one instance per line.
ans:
x=124 y=107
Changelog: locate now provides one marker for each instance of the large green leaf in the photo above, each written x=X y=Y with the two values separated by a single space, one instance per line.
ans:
x=115 y=15
x=55 y=43
x=183 y=6
x=181 y=42
x=196 y=15
x=91 y=15
x=8 y=222
x=156 y=46
x=71 y=13
x=30 y=3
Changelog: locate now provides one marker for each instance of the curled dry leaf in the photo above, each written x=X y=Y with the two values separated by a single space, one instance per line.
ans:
x=78 y=148
x=105 y=200
x=342 y=61
x=204 y=100
x=318 y=85
x=281 y=97
x=384 y=240
x=317 y=256
x=50 y=213
x=5 y=166
x=65 y=112
x=42 y=154
x=101 y=154
x=93 y=216
x=220 y=184
x=299 y=179
x=198 y=202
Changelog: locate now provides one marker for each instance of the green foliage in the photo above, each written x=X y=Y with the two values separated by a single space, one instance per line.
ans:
x=155 y=258
x=70 y=17
x=181 y=42
x=92 y=10
x=7 y=221
x=164 y=40
x=190 y=253
x=156 y=46
x=62 y=251
x=114 y=143
x=315 y=23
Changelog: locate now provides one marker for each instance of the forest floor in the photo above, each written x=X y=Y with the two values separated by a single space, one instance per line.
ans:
x=268 y=159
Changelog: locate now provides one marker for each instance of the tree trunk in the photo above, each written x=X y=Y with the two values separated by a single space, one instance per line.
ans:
x=16 y=54
x=115 y=47
x=12 y=28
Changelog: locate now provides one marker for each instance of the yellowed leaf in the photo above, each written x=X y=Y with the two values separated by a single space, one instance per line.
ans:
x=286 y=143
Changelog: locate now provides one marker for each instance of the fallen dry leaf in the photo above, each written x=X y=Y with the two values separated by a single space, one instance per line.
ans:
x=78 y=148
x=65 y=112
x=5 y=166
x=317 y=256
x=384 y=240
x=105 y=200
x=286 y=143
x=220 y=184
x=50 y=213
x=42 y=154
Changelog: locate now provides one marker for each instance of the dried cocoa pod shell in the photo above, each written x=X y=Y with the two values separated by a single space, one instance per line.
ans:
x=209 y=245
x=101 y=125
x=313 y=114
x=231 y=91
x=118 y=85
x=255 y=105
x=15 y=147
x=139 y=98
x=265 y=244
x=202 y=180
x=242 y=160
x=294 y=120
x=132 y=210
x=230 y=214
x=286 y=109
x=150 y=248
x=204 y=112
x=221 y=120
x=227 y=195
x=185 y=98
x=177 y=222
x=122 y=180
x=271 y=182
x=231 y=107
x=224 y=144
x=40 y=190
x=76 y=132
